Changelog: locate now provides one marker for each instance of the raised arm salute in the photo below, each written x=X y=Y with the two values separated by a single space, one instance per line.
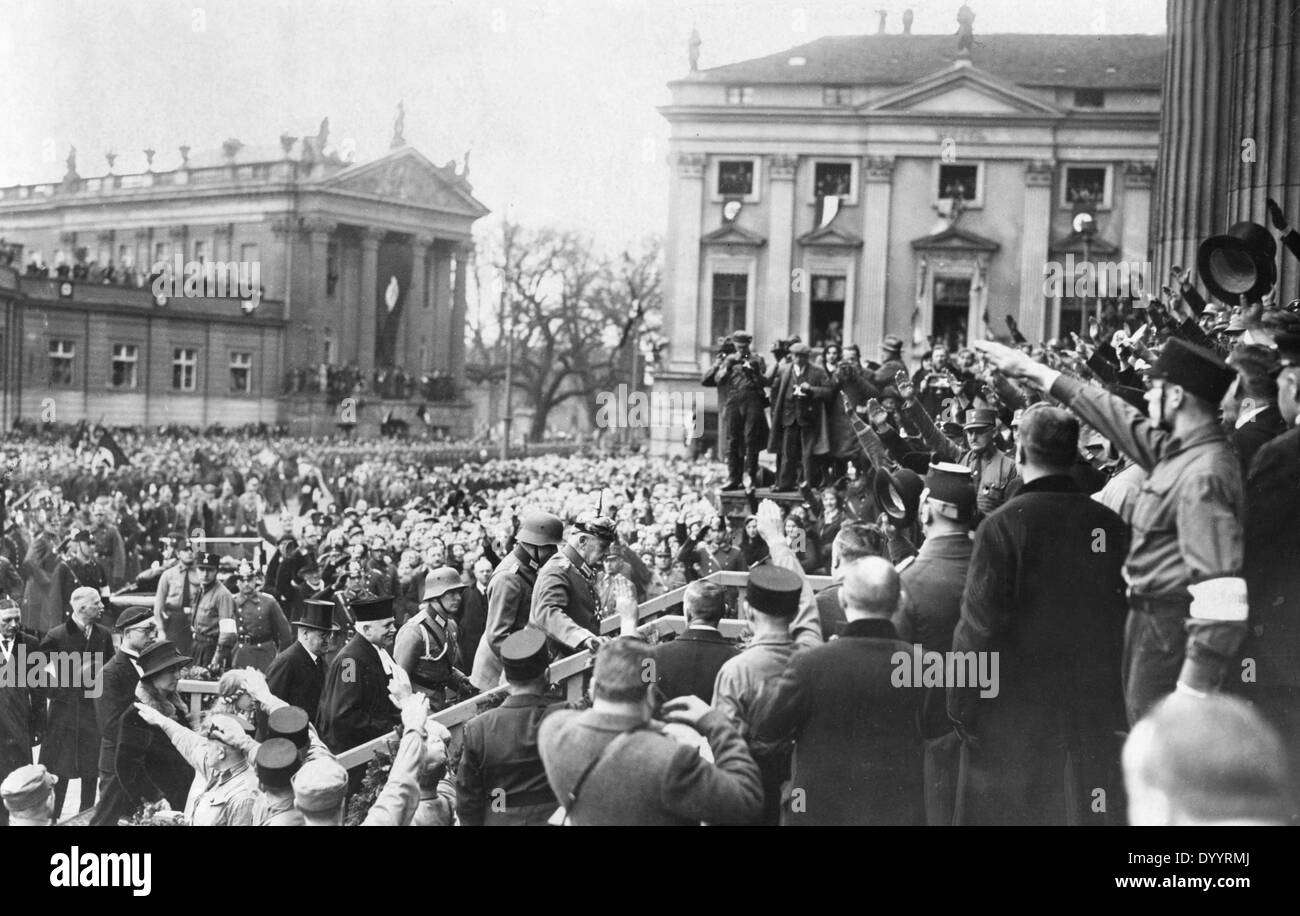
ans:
x=1185 y=564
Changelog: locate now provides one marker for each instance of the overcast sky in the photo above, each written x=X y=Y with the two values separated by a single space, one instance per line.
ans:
x=556 y=98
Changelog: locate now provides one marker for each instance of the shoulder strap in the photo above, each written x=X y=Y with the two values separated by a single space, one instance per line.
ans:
x=605 y=752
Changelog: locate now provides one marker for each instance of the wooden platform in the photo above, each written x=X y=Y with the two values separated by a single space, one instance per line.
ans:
x=738 y=502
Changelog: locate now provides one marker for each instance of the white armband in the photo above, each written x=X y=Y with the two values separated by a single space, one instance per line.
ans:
x=227 y=625
x=1222 y=599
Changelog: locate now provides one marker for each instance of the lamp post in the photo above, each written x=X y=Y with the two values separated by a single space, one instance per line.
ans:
x=510 y=372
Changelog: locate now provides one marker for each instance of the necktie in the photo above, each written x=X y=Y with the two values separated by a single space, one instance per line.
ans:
x=185 y=590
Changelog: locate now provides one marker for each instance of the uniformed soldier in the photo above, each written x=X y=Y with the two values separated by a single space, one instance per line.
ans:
x=510 y=591
x=262 y=629
x=110 y=549
x=501 y=781
x=28 y=794
x=178 y=587
x=353 y=590
x=427 y=648
x=739 y=377
x=565 y=603
x=77 y=569
x=276 y=761
x=992 y=471
x=1187 y=597
x=214 y=613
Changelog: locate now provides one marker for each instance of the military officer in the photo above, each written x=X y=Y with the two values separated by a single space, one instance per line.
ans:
x=110 y=549
x=565 y=603
x=77 y=569
x=740 y=377
x=262 y=629
x=276 y=760
x=427 y=647
x=501 y=781
x=510 y=591
x=993 y=472
x=1187 y=597
x=215 y=633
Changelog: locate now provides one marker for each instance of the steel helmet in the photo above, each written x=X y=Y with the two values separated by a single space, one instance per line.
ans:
x=440 y=581
x=540 y=529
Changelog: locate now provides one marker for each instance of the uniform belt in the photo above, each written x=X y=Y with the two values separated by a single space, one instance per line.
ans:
x=1160 y=604
x=255 y=643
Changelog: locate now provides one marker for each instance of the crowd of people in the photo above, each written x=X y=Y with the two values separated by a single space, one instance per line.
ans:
x=340 y=381
x=968 y=581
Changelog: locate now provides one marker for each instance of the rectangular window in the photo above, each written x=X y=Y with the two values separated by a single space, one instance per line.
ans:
x=960 y=181
x=185 y=368
x=1086 y=185
x=740 y=95
x=1074 y=317
x=730 y=292
x=837 y=95
x=200 y=251
x=1089 y=98
x=63 y=354
x=833 y=179
x=159 y=251
x=951 y=311
x=827 y=309
x=241 y=372
x=126 y=357
x=736 y=178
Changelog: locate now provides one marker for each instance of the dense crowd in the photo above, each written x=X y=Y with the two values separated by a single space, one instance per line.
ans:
x=987 y=569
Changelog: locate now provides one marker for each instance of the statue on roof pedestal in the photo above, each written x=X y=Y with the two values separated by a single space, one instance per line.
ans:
x=72 y=164
x=694 y=45
x=399 y=126
x=965 y=29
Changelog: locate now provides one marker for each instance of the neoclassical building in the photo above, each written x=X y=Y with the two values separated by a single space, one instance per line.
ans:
x=860 y=186
x=361 y=269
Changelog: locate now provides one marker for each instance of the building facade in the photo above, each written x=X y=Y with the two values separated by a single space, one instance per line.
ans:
x=344 y=300
x=861 y=186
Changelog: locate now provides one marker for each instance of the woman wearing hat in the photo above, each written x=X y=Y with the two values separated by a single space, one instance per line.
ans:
x=149 y=769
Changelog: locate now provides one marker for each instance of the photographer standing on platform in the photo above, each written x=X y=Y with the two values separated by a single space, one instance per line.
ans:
x=739 y=375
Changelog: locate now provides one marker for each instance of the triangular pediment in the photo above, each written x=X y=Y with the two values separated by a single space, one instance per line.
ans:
x=405 y=175
x=954 y=239
x=1075 y=243
x=965 y=90
x=733 y=234
x=831 y=236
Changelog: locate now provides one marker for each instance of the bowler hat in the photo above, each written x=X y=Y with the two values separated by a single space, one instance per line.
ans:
x=1242 y=262
x=524 y=655
x=899 y=494
x=276 y=761
x=318 y=615
x=1196 y=369
x=160 y=657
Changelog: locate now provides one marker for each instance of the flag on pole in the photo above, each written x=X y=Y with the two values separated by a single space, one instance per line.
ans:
x=108 y=452
x=78 y=435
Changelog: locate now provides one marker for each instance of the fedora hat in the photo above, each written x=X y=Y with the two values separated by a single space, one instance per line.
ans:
x=898 y=494
x=1242 y=262
x=160 y=657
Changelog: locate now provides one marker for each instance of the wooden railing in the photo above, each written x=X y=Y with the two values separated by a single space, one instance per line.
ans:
x=569 y=672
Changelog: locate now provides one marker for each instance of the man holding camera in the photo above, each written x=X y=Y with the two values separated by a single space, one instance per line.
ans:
x=801 y=391
x=739 y=375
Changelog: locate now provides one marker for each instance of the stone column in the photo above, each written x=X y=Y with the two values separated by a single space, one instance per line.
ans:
x=456 y=339
x=179 y=239
x=416 y=319
x=682 y=316
x=368 y=303
x=223 y=243
x=1035 y=242
x=310 y=349
x=143 y=253
x=773 y=301
x=877 y=191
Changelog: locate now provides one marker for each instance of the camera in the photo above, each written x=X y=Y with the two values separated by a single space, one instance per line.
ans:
x=781 y=349
x=725 y=346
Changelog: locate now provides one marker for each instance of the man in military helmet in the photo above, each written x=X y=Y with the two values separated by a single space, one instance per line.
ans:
x=262 y=629
x=427 y=646
x=565 y=602
x=510 y=591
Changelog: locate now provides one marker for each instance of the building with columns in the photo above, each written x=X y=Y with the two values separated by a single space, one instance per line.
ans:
x=361 y=275
x=859 y=186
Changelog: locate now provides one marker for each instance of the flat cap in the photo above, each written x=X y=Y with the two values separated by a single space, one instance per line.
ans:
x=799 y=348
x=27 y=786
x=741 y=336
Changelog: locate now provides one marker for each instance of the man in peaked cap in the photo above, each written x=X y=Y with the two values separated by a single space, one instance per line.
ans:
x=771 y=603
x=178 y=590
x=565 y=604
x=1185 y=564
x=1273 y=583
x=297 y=674
x=993 y=472
x=77 y=569
x=215 y=630
x=510 y=591
x=28 y=794
x=355 y=706
x=276 y=761
x=262 y=630
x=427 y=648
x=739 y=377
x=500 y=745
x=933 y=582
